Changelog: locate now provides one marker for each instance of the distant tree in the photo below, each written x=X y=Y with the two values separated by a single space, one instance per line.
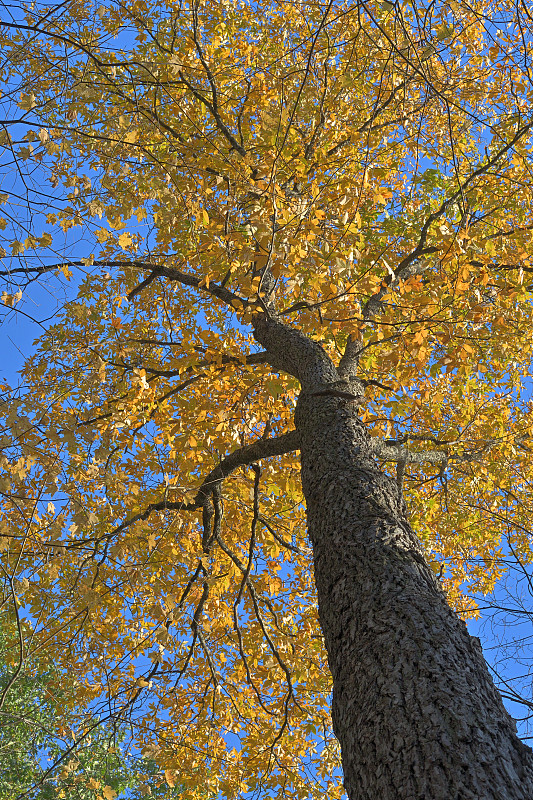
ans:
x=39 y=755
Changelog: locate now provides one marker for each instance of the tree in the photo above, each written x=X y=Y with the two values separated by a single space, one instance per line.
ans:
x=301 y=239
x=39 y=728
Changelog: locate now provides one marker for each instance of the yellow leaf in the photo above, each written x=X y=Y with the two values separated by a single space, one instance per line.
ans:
x=102 y=234
x=27 y=101
x=125 y=240
x=17 y=247
x=169 y=777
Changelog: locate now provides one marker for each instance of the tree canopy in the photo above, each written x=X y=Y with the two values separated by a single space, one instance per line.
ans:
x=180 y=169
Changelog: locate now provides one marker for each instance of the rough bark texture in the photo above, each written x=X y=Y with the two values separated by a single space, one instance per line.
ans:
x=414 y=707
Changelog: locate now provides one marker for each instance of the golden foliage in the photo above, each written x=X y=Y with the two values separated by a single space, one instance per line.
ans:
x=375 y=159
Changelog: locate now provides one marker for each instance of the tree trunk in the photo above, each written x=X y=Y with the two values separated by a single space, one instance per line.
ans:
x=414 y=707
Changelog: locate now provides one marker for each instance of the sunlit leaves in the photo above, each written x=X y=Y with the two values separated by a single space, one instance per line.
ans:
x=376 y=159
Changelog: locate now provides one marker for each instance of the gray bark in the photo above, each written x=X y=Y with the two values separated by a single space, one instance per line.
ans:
x=414 y=707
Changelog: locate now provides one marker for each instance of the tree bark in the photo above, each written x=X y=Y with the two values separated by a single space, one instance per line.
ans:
x=414 y=707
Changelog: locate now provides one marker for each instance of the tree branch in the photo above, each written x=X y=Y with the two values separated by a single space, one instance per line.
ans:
x=156 y=270
x=348 y=364
x=398 y=451
x=289 y=350
x=262 y=448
